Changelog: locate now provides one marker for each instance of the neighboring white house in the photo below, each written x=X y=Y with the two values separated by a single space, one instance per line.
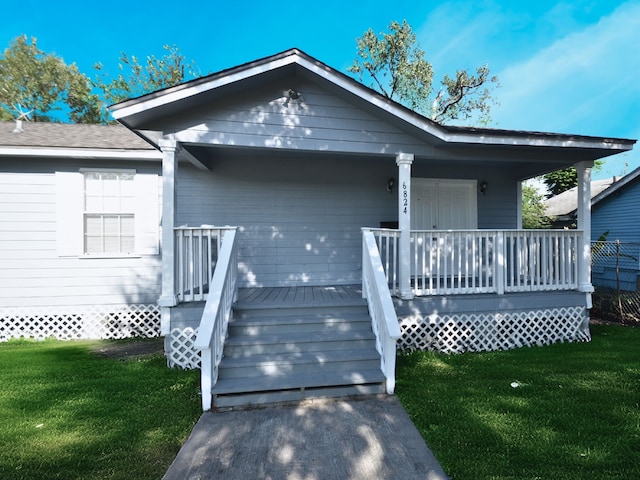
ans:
x=79 y=232
x=280 y=174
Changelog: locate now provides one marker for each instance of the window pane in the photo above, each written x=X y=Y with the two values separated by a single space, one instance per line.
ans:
x=111 y=204
x=93 y=244
x=128 y=244
x=127 y=225
x=112 y=245
x=111 y=225
x=93 y=225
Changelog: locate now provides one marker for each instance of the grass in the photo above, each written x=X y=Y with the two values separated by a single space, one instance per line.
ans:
x=67 y=413
x=565 y=411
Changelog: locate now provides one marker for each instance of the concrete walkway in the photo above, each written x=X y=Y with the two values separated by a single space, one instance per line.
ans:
x=336 y=439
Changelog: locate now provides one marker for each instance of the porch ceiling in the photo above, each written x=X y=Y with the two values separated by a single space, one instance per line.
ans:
x=522 y=163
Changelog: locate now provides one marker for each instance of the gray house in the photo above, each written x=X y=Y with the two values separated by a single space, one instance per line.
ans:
x=616 y=211
x=307 y=167
x=309 y=225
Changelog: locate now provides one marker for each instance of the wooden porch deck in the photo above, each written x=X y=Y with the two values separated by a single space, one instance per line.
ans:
x=300 y=295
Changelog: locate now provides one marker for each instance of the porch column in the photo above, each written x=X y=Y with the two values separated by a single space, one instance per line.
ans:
x=404 y=161
x=584 y=225
x=170 y=152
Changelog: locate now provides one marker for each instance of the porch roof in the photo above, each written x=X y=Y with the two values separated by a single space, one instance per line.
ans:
x=143 y=114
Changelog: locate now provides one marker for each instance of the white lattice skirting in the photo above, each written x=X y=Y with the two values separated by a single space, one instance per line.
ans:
x=494 y=331
x=76 y=322
x=181 y=352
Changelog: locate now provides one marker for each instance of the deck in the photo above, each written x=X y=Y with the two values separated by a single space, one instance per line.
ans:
x=300 y=295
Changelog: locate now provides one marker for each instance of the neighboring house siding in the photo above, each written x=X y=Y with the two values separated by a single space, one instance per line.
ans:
x=34 y=274
x=619 y=214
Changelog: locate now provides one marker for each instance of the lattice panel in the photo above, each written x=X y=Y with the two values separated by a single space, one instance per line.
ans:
x=181 y=352
x=76 y=322
x=494 y=331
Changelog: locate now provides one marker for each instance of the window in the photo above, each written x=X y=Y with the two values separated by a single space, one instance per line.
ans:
x=109 y=218
x=107 y=213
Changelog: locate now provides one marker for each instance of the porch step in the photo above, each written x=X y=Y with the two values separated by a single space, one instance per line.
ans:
x=287 y=351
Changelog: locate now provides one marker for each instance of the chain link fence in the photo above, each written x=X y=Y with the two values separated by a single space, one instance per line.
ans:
x=616 y=278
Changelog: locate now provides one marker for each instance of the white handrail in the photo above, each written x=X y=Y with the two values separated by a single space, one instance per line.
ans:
x=383 y=315
x=212 y=331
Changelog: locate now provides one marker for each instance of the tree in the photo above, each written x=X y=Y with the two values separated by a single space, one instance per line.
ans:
x=156 y=73
x=394 y=64
x=42 y=87
x=562 y=180
x=533 y=209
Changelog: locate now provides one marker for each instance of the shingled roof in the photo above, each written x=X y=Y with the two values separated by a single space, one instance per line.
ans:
x=70 y=136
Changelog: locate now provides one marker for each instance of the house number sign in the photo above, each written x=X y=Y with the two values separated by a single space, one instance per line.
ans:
x=405 y=198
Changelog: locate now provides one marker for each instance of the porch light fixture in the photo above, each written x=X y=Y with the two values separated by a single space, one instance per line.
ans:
x=292 y=95
x=483 y=187
x=390 y=184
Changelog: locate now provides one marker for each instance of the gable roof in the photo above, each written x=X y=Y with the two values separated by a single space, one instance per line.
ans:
x=72 y=140
x=141 y=112
x=625 y=181
x=566 y=203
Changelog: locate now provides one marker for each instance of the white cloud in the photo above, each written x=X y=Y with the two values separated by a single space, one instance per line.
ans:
x=583 y=83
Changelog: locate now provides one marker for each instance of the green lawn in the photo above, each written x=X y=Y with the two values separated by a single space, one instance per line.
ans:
x=566 y=411
x=67 y=413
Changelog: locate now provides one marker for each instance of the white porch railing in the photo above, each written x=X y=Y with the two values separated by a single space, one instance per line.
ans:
x=383 y=315
x=197 y=249
x=212 y=331
x=484 y=261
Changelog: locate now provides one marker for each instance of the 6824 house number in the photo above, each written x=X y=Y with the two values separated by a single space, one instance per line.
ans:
x=405 y=198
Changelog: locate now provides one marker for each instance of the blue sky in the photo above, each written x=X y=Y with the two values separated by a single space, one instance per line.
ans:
x=564 y=66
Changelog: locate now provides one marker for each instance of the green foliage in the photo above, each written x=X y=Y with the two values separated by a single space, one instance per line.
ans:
x=137 y=79
x=68 y=413
x=562 y=180
x=566 y=411
x=43 y=87
x=394 y=64
x=533 y=209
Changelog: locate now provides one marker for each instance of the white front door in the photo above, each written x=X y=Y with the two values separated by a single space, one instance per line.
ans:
x=441 y=205
x=438 y=204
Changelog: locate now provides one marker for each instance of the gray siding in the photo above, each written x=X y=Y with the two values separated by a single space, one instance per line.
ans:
x=300 y=217
x=619 y=214
x=33 y=274
x=319 y=122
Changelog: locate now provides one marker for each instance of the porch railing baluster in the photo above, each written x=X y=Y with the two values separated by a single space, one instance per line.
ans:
x=484 y=261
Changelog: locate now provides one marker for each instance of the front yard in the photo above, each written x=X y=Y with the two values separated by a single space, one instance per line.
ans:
x=566 y=411
x=70 y=413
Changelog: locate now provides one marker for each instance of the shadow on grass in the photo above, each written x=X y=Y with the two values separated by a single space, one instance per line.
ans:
x=71 y=414
x=559 y=411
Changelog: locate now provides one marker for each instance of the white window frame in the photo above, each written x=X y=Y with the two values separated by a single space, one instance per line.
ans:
x=70 y=211
x=103 y=213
